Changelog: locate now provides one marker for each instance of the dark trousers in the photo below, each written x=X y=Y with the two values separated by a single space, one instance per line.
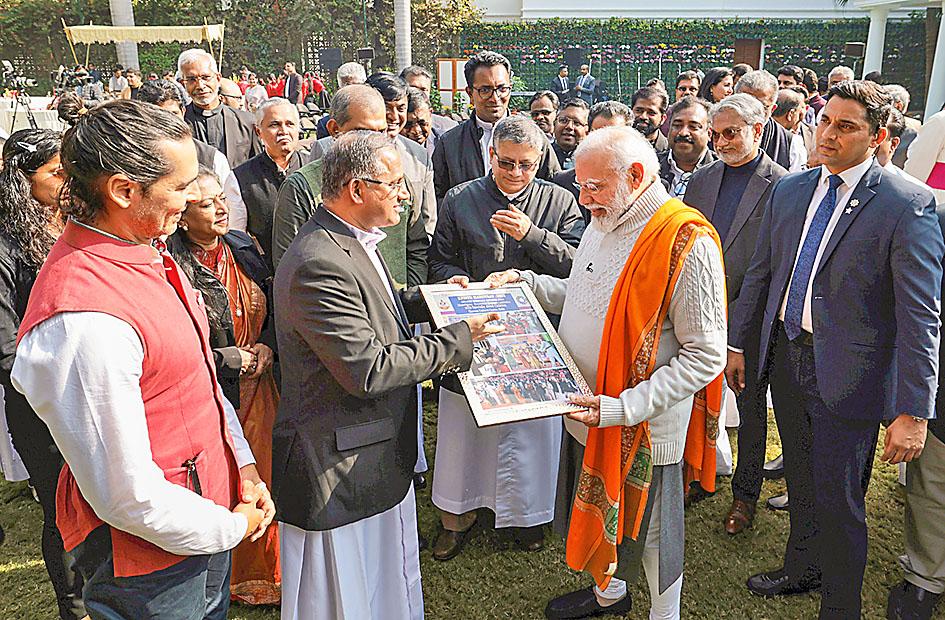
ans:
x=752 y=429
x=43 y=463
x=196 y=588
x=827 y=464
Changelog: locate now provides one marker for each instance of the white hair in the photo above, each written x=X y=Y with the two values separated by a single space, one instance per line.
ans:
x=196 y=55
x=351 y=71
x=623 y=146
x=758 y=81
x=899 y=94
x=271 y=103
x=747 y=107
x=847 y=72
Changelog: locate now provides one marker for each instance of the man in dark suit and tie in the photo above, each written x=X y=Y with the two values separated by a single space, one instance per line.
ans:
x=345 y=436
x=560 y=85
x=732 y=193
x=586 y=84
x=844 y=286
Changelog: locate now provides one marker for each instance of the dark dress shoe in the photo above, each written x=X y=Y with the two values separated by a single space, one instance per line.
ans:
x=530 y=538
x=695 y=493
x=908 y=601
x=739 y=516
x=448 y=544
x=779 y=502
x=419 y=481
x=774 y=469
x=583 y=604
x=777 y=583
x=421 y=541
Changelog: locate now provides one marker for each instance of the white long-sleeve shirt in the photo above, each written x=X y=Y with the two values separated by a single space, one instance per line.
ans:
x=81 y=372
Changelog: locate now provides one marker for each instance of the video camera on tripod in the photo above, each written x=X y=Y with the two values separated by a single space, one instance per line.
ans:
x=62 y=78
x=12 y=79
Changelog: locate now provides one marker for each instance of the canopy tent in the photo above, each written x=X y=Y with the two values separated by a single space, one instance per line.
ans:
x=144 y=34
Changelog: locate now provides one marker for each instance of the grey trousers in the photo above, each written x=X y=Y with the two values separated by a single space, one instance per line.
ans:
x=924 y=530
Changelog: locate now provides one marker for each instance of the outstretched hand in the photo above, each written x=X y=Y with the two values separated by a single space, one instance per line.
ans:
x=483 y=325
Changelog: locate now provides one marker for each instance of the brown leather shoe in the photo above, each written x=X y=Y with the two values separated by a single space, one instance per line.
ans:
x=449 y=543
x=740 y=516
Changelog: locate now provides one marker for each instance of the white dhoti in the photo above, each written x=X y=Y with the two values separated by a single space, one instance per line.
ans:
x=366 y=570
x=511 y=469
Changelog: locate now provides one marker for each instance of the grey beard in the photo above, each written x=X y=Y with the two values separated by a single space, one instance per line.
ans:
x=613 y=211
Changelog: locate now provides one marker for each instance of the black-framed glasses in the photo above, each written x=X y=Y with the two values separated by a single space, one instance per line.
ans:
x=411 y=124
x=509 y=166
x=564 y=121
x=224 y=95
x=728 y=133
x=487 y=91
x=393 y=185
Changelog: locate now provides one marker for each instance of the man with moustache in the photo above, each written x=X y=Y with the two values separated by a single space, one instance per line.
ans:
x=688 y=145
x=419 y=77
x=570 y=129
x=646 y=278
x=732 y=194
x=543 y=108
x=648 y=105
x=507 y=219
x=228 y=130
x=252 y=190
x=601 y=114
x=419 y=126
x=462 y=154
x=687 y=84
x=844 y=287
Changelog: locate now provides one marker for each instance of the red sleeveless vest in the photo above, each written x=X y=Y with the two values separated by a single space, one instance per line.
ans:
x=89 y=272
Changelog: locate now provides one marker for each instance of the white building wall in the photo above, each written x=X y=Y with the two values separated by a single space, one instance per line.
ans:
x=514 y=10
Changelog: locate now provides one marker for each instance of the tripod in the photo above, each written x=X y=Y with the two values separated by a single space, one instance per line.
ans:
x=23 y=101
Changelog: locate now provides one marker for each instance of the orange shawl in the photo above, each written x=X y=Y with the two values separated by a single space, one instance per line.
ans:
x=611 y=494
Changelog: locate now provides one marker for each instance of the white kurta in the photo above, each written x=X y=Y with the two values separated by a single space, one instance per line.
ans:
x=366 y=570
x=511 y=469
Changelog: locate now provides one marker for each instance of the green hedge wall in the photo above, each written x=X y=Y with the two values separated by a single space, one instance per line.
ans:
x=634 y=50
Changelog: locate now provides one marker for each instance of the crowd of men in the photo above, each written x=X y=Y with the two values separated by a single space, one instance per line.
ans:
x=760 y=237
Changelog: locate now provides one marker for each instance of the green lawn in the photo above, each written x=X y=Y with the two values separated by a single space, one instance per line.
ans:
x=491 y=579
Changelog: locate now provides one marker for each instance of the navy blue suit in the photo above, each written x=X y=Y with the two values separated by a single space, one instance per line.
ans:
x=873 y=355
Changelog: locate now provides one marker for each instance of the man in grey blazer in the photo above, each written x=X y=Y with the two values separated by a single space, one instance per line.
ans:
x=732 y=193
x=345 y=436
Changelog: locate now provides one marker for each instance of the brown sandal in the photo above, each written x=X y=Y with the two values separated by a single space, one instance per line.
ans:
x=740 y=516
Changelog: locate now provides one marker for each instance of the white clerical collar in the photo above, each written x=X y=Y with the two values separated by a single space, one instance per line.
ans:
x=510 y=197
x=367 y=238
x=850 y=176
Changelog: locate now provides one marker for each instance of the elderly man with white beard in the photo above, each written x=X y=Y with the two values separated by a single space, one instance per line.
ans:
x=643 y=315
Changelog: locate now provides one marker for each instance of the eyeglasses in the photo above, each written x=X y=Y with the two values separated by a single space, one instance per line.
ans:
x=592 y=187
x=564 y=121
x=509 y=166
x=193 y=79
x=728 y=133
x=537 y=113
x=486 y=91
x=393 y=185
x=225 y=96
x=411 y=124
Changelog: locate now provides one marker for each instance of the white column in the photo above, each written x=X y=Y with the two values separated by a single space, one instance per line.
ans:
x=123 y=15
x=937 y=83
x=876 y=41
x=402 y=43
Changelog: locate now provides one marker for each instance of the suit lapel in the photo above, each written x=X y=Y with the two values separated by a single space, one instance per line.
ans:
x=805 y=192
x=860 y=195
x=757 y=185
x=229 y=132
x=362 y=264
x=472 y=151
x=714 y=182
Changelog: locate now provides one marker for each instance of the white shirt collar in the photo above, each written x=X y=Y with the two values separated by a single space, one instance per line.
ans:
x=510 y=197
x=850 y=176
x=679 y=171
x=367 y=238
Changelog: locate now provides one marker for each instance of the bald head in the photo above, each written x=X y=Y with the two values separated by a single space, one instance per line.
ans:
x=357 y=106
x=231 y=93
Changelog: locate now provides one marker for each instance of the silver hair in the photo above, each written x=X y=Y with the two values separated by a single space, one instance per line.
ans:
x=760 y=81
x=624 y=146
x=351 y=70
x=271 y=103
x=353 y=93
x=356 y=154
x=841 y=69
x=899 y=94
x=195 y=55
x=747 y=107
x=518 y=129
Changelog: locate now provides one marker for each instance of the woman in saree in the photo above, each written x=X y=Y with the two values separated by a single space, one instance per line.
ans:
x=227 y=269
